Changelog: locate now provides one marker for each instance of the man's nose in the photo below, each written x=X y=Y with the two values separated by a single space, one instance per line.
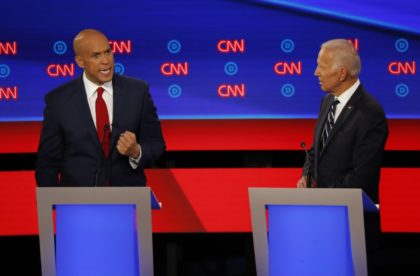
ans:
x=105 y=59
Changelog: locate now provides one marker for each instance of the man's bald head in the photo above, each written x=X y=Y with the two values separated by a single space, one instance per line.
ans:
x=94 y=55
x=85 y=36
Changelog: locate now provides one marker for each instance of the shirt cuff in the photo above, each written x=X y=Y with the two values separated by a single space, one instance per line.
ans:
x=134 y=162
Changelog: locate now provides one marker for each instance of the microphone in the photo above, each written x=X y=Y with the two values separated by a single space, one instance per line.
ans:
x=98 y=165
x=303 y=146
x=308 y=172
x=106 y=130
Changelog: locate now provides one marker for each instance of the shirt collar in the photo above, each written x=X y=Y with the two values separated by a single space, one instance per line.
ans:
x=91 y=87
x=346 y=95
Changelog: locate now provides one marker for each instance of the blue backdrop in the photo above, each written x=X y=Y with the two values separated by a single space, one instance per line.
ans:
x=212 y=59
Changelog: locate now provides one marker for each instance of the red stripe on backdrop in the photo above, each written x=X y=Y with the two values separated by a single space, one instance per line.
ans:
x=19 y=137
x=212 y=200
x=18 y=214
x=399 y=195
x=22 y=137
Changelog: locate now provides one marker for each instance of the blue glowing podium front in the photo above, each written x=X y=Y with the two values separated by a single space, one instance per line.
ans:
x=98 y=230
x=309 y=231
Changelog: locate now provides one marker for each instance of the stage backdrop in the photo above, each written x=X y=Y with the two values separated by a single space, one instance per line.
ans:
x=224 y=75
x=207 y=59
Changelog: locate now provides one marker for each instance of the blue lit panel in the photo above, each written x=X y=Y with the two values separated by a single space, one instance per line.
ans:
x=96 y=240
x=309 y=240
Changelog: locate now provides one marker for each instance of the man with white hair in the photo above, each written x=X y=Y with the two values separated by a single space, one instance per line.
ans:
x=351 y=129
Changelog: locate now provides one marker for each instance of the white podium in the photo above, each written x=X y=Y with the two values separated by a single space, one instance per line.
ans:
x=309 y=231
x=96 y=230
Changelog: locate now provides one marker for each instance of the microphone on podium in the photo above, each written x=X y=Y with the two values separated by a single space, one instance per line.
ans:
x=308 y=171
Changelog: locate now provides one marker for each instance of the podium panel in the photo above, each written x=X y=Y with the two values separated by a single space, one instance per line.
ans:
x=96 y=240
x=99 y=231
x=310 y=231
x=309 y=240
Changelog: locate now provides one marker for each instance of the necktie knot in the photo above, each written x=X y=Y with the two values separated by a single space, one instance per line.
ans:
x=332 y=111
x=335 y=103
x=100 y=91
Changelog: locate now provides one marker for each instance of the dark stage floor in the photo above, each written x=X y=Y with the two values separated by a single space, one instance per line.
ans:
x=222 y=254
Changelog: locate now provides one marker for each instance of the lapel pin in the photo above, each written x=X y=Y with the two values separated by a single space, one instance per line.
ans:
x=349 y=107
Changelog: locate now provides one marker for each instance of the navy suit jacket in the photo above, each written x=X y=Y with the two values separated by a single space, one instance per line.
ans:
x=354 y=150
x=69 y=152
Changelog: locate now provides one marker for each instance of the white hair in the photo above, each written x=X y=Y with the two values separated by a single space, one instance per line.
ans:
x=345 y=55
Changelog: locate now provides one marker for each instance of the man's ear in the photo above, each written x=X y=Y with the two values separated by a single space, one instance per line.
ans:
x=79 y=61
x=343 y=74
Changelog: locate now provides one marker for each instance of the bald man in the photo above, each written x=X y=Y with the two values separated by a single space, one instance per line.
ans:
x=348 y=143
x=100 y=129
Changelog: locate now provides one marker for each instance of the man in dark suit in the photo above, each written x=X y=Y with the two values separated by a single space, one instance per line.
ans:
x=349 y=139
x=88 y=140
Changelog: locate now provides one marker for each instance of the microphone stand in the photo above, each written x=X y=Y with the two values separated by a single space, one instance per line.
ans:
x=98 y=167
x=308 y=171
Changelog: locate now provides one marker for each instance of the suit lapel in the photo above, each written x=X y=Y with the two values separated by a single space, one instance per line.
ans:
x=345 y=114
x=83 y=110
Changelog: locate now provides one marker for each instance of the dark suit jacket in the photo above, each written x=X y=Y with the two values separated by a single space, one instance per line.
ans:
x=354 y=150
x=70 y=153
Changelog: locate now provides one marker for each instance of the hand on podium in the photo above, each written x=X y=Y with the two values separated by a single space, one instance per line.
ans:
x=302 y=182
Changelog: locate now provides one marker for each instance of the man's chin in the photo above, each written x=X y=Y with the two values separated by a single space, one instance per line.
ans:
x=106 y=79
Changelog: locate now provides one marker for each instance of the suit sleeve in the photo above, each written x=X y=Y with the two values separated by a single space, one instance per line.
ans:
x=50 y=148
x=150 y=133
x=308 y=166
x=367 y=154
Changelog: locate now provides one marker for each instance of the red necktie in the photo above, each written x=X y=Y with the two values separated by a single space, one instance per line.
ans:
x=102 y=122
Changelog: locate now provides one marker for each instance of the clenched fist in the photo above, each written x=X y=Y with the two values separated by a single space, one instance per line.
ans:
x=127 y=145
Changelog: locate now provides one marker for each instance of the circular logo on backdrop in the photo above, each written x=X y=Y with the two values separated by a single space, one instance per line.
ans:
x=4 y=71
x=287 y=45
x=402 y=90
x=119 y=68
x=231 y=68
x=401 y=45
x=174 y=91
x=288 y=90
x=174 y=46
x=60 y=47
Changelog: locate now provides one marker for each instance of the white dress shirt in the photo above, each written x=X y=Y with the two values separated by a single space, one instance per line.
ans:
x=91 y=94
x=344 y=98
